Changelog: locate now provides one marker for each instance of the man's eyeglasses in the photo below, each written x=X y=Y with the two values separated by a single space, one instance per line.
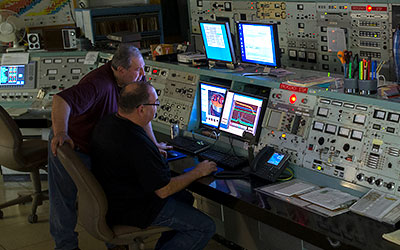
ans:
x=157 y=103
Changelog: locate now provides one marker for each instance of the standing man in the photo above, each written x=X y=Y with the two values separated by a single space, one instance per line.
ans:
x=75 y=112
x=136 y=178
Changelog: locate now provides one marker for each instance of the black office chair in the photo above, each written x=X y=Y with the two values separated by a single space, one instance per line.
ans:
x=23 y=156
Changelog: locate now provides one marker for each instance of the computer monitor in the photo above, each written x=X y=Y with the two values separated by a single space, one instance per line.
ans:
x=242 y=113
x=212 y=97
x=259 y=43
x=217 y=41
x=12 y=75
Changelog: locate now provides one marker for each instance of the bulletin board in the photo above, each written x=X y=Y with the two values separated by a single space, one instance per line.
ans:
x=40 y=13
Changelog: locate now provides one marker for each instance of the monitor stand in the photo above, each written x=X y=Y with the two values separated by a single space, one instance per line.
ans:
x=218 y=65
x=256 y=71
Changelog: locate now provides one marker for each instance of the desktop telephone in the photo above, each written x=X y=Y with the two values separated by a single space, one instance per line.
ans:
x=269 y=164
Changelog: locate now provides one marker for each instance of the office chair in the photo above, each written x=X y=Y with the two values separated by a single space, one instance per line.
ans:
x=23 y=156
x=92 y=206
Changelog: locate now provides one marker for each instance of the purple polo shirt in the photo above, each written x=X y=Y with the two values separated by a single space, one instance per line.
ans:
x=94 y=97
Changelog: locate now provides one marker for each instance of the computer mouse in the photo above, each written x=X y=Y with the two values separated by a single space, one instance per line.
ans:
x=172 y=154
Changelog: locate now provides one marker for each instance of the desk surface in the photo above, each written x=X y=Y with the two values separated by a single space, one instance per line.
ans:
x=352 y=230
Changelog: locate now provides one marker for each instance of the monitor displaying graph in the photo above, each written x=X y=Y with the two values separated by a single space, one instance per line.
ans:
x=241 y=113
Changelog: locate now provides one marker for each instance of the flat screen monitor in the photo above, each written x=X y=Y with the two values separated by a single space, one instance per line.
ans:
x=259 y=43
x=212 y=99
x=12 y=75
x=242 y=113
x=217 y=41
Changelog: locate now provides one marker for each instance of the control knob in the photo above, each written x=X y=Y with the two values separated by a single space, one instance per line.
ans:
x=371 y=180
x=379 y=182
x=360 y=177
x=390 y=186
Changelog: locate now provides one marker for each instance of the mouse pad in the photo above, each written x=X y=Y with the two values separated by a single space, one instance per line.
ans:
x=179 y=155
x=218 y=170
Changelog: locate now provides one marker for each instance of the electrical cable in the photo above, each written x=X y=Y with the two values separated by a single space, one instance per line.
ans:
x=291 y=172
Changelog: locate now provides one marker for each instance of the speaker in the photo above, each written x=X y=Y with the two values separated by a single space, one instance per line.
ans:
x=33 y=41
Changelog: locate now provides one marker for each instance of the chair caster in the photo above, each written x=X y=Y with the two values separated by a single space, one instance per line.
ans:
x=1 y=214
x=32 y=218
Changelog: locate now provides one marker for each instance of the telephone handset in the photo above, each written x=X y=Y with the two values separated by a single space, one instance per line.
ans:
x=269 y=164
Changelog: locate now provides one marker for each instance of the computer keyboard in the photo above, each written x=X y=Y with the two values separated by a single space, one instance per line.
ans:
x=223 y=160
x=189 y=145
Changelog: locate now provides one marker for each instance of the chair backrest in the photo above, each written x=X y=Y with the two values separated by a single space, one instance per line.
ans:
x=10 y=142
x=92 y=201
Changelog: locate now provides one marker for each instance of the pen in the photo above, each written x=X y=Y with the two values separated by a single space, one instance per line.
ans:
x=349 y=69
x=360 y=70
x=369 y=69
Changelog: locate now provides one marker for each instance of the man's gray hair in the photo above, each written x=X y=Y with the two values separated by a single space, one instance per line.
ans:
x=135 y=96
x=124 y=54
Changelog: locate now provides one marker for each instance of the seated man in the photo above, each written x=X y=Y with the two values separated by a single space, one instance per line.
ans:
x=136 y=178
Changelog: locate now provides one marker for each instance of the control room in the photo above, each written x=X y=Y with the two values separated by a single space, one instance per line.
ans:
x=199 y=124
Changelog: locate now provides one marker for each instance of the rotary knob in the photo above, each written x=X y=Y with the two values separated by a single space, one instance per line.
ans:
x=371 y=180
x=379 y=182
x=360 y=177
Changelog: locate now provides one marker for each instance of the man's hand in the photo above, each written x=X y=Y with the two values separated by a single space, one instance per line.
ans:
x=163 y=152
x=205 y=168
x=59 y=140
x=163 y=146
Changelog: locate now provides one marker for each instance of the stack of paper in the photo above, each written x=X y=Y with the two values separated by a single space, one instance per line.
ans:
x=375 y=204
x=329 y=198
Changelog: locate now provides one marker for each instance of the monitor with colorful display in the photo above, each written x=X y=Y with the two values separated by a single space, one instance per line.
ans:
x=212 y=98
x=242 y=113
x=12 y=75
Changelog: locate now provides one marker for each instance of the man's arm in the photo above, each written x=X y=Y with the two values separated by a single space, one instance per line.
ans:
x=180 y=182
x=60 y=117
x=162 y=146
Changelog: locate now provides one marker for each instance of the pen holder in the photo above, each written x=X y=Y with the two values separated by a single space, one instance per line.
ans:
x=350 y=85
x=367 y=87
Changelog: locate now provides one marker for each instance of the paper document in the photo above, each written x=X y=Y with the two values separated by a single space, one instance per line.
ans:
x=329 y=198
x=393 y=237
x=375 y=204
x=295 y=189
x=14 y=58
x=91 y=57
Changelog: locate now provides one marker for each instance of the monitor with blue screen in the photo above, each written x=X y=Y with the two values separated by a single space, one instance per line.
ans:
x=217 y=41
x=259 y=43
x=242 y=113
x=212 y=98
x=12 y=75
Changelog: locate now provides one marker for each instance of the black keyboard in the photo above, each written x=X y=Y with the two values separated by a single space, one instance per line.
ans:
x=223 y=160
x=189 y=145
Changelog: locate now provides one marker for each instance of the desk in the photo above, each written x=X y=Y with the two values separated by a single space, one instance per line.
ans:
x=254 y=220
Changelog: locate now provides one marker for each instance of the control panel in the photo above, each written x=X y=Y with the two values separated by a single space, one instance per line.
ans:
x=176 y=91
x=346 y=140
x=56 y=73
x=304 y=29
x=287 y=122
x=337 y=134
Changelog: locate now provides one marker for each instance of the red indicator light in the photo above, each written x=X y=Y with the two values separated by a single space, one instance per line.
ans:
x=369 y=8
x=345 y=7
x=155 y=71
x=293 y=99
